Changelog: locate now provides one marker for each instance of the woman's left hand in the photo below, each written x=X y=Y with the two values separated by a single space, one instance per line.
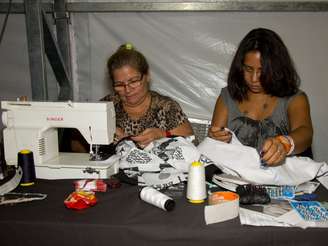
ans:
x=273 y=152
x=147 y=136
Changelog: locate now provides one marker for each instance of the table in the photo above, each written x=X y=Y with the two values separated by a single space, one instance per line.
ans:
x=121 y=218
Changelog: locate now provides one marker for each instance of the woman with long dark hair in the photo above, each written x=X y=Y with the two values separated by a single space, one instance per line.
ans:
x=262 y=103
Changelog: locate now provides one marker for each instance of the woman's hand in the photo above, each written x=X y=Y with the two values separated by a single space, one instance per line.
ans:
x=119 y=134
x=273 y=152
x=147 y=136
x=219 y=133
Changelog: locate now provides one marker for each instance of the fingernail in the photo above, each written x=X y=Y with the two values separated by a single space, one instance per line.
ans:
x=263 y=164
x=261 y=153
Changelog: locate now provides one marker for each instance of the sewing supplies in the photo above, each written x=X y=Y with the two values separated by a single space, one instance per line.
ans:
x=211 y=185
x=223 y=205
x=156 y=198
x=307 y=187
x=306 y=197
x=252 y=194
x=34 y=126
x=90 y=185
x=310 y=210
x=228 y=181
x=196 y=186
x=26 y=161
x=281 y=192
x=79 y=200
x=15 y=197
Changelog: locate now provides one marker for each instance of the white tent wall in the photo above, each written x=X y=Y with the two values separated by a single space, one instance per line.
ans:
x=189 y=55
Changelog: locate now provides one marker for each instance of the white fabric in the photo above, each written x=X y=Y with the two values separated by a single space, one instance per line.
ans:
x=289 y=219
x=244 y=161
x=166 y=161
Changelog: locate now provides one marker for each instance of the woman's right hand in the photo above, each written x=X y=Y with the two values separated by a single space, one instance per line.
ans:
x=273 y=152
x=219 y=133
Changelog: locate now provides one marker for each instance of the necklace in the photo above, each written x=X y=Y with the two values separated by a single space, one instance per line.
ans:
x=263 y=108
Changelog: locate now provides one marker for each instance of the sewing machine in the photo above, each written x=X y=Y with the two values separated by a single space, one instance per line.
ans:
x=34 y=126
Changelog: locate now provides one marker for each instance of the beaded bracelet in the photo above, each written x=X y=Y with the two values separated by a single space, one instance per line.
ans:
x=291 y=140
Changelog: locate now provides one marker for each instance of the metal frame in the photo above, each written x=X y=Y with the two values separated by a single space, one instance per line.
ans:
x=54 y=53
x=224 y=6
x=35 y=43
x=41 y=39
x=19 y=8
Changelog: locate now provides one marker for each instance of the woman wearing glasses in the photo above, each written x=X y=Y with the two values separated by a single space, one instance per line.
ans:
x=262 y=103
x=141 y=114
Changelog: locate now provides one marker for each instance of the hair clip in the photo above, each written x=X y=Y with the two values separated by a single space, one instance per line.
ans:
x=128 y=46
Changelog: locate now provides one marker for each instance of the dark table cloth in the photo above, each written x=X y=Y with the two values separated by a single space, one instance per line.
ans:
x=121 y=218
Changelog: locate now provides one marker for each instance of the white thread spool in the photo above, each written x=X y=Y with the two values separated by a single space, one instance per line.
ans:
x=154 y=197
x=196 y=187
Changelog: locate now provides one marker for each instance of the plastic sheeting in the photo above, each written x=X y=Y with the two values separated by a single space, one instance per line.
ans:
x=188 y=64
x=190 y=54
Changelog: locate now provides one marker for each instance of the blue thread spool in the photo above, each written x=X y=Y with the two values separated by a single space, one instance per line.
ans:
x=26 y=162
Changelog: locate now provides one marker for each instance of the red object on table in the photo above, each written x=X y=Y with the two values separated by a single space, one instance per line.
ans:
x=80 y=200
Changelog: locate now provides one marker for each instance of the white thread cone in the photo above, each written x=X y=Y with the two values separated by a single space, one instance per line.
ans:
x=196 y=187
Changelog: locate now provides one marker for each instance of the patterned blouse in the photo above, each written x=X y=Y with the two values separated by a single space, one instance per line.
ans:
x=163 y=113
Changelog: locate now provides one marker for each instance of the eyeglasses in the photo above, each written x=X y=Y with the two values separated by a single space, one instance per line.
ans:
x=250 y=70
x=132 y=83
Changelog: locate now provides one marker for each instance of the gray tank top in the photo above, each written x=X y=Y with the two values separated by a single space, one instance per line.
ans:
x=253 y=132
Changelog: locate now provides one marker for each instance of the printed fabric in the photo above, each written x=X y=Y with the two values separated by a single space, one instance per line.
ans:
x=163 y=163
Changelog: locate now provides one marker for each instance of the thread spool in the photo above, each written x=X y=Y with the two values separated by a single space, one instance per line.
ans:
x=26 y=162
x=196 y=187
x=156 y=198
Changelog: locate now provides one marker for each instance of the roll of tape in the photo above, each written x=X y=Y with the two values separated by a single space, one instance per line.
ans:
x=223 y=205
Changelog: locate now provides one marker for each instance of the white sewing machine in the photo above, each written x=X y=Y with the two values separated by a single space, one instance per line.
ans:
x=33 y=126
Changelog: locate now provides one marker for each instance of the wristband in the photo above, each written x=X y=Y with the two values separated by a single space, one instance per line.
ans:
x=168 y=134
x=291 y=141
